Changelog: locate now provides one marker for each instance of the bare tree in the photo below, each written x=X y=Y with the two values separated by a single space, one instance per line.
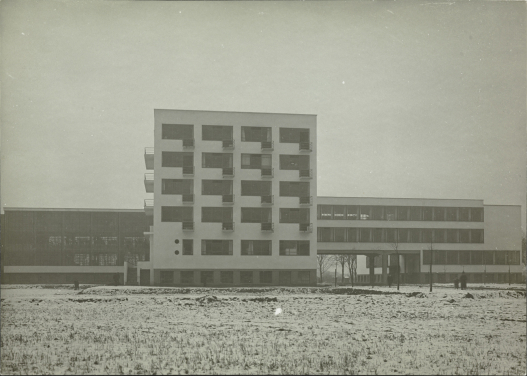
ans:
x=351 y=262
x=341 y=260
x=324 y=262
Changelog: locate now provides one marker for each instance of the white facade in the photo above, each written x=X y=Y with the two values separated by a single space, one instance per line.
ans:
x=164 y=234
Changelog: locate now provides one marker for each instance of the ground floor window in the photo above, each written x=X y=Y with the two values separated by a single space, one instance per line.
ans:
x=207 y=277
x=167 y=277
x=187 y=277
x=284 y=277
x=303 y=277
x=266 y=277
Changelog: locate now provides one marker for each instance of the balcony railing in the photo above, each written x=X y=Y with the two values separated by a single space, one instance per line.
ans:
x=228 y=172
x=306 y=227
x=188 y=143
x=188 y=170
x=188 y=198
x=187 y=226
x=149 y=158
x=149 y=182
x=267 y=200
x=149 y=206
x=227 y=226
x=267 y=145
x=228 y=144
x=305 y=200
x=267 y=227
x=305 y=146
x=227 y=199
x=267 y=172
x=305 y=174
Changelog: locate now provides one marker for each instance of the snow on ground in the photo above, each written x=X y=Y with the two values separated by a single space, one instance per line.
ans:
x=145 y=330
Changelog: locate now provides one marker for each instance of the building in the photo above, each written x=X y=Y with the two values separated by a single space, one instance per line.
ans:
x=64 y=245
x=234 y=199
x=484 y=241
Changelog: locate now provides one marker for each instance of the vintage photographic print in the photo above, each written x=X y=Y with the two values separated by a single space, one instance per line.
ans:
x=263 y=187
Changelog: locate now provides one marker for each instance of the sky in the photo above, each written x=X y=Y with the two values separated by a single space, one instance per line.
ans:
x=413 y=99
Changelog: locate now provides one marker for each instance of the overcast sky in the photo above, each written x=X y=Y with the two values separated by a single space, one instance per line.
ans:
x=414 y=99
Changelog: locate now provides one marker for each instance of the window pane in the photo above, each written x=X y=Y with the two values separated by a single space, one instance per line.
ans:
x=365 y=212
x=216 y=247
x=293 y=215
x=377 y=213
x=216 y=132
x=175 y=158
x=216 y=160
x=464 y=236
x=177 y=214
x=452 y=236
x=476 y=236
x=488 y=257
x=452 y=257
x=188 y=247
x=403 y=235
x=476 y=214
x=439 y=214
x=439 y=235
x=415 y=213
x=352 y=212
x=390 y=213
x=391 y=235
x=293 y=135
x=378 y=235
x=340 y=234
x=464 y=257
x=177 y=131
x=256 y=188
x=256 y=215
x=451 y=214
x=414 y=235
x=463 y=214
x=339 y=211
x=216 y=214
x=426 y=235
x=365 y=235
x=177 y=186
x=403 y=213
x=294 y=162
x=353 y=235
x=325 y=211
x=216 y=187
x=256 y=134
x=476 y=258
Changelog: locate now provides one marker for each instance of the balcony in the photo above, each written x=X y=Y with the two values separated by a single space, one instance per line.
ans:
x=227 y=199
x=227 y=226
x=188 y=198
x=188 y=170
x=305 y=174
x=305 y=227
x=228 y=144
x=267 y=172
x=188 y=143
x=149 y=182
x=305 y=146
x=149 y=158
x=305 y=200
x=228 y=172
x=187 y=226
x=149 y=207
x=267 y=145
x=267 y=200
x=267 y=227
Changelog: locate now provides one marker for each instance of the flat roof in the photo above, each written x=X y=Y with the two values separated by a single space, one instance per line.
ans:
x=75 y=209
x=404 y=198
x=234 y=112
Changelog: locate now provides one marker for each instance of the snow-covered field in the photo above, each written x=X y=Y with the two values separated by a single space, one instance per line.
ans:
x=143 y=330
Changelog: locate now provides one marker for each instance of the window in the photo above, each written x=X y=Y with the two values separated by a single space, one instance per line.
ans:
x=476 y=214
x=294 y=189
x=403 y=213
x=257 y=161
x=426 y=235
x=216 y=132
x=216 y=214
x=365 y=235
x=439 y=235
x=256 y=134
x=216 y=247
x=324 y=234
x=391 y=235
x=256 y=215
x=266 y=277
x=177 y=159
x=452 y=257
x=378 y=235
x=352 y=212
x=188 y=247
x=463 y=214
x=365 y=212
x=325 y=212
x=476 y=258
x=256 y=188
x=339 y=212
x=451 y=214
x=464 y=257
x=390 y=213
x=227 y=277
x=415 y=213
x=177 y=214
x=339 y=234
x=284 y=277
x=290 y=215
x=451 y=236
x=476 y=236
x=427 y=213
x=177 y=131
x=488 y=257
x=206 y=277
x=294 y=247
x=377 y=213
x=353 y=235
x=216 y=160
x=439 y=257
x=303 y=277
x=439 y=214
x=167 y=277
x=177 y=186
x=294 y=135
x=216 y=187
x=187 y=277
x=256 y=248
x=414 y=235
x=246 y=277
x=294 y=162
x=464 y=236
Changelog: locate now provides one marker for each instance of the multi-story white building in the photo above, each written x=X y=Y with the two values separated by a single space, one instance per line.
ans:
x=234 y=199
x=484 y=241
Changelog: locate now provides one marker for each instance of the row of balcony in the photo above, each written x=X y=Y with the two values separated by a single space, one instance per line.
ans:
x=265 y=226
x=189 y=143
x=229 y=200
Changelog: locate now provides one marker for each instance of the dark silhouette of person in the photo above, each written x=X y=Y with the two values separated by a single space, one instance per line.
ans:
x=463 y=280
x=390 y=280
x=76 y=284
